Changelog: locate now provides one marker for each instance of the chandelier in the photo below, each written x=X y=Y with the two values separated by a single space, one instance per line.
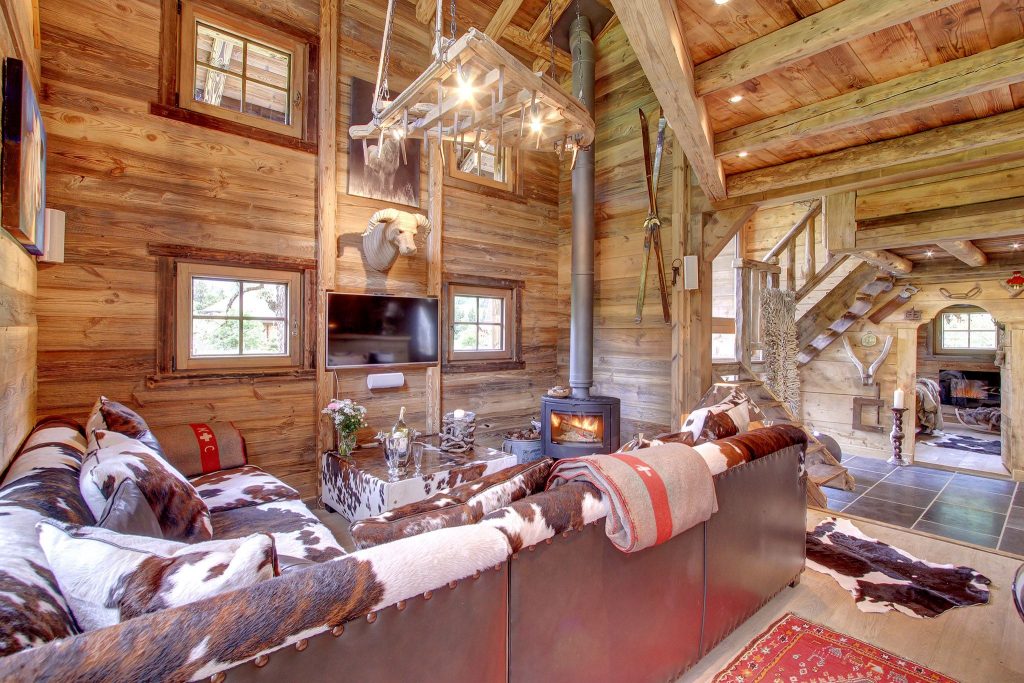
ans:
x=478 y=96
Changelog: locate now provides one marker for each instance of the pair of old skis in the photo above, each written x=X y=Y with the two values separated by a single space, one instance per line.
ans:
x=652 y=224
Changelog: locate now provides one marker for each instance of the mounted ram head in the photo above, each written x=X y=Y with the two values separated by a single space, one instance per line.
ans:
x=391 y=233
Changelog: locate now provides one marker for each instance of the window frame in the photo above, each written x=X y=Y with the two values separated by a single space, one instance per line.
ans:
x=507 y=185
x=938 y=328
x=175 y=95
x=511 y=357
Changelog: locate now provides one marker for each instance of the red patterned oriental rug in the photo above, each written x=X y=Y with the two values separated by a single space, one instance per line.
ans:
x=797 y=651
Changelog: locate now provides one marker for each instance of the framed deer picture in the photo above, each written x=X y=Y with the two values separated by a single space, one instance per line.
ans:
x=23 y=162
x=387 y=169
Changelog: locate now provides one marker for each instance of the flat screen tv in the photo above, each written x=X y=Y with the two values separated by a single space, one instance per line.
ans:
x=365 y=329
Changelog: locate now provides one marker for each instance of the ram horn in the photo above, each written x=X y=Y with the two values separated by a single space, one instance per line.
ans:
x=382 y=216
x=423 y=223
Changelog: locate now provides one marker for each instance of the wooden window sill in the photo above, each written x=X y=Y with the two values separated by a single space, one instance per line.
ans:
x=458 y=366
x=189 y=378
x=226 y=126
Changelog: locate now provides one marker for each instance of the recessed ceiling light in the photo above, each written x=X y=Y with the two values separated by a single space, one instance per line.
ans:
x=1015 y=245
x=743 y=155
x=736 y=98
x=721 y=2
x=929 y=253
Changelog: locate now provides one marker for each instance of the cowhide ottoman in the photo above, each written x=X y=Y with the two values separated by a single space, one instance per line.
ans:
x=358 y=487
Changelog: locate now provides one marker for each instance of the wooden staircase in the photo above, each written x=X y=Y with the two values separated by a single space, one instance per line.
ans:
x=821 y=467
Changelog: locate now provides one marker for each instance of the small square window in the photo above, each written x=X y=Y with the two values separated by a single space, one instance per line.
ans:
x=480 y=165
x=240 y=71
x=966 y=331
x=233 y=317
x=483 y=327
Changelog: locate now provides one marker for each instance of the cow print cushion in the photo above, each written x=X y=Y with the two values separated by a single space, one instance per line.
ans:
x=41 y=483
x=111 y=416
x=109 y=577
x=181 y=512
x=296 y=531
x=731 y=451
x=728 y=418
x=464 y=504
x=541 y=516
x=241 y=487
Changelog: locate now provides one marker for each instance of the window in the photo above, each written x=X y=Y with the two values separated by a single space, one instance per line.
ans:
x=482 y=324
x=966 y=330
x=240 y=71
x=479 y=165
x=233 y=317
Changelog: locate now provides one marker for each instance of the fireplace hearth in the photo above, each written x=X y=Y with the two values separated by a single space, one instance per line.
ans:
x=572 y=427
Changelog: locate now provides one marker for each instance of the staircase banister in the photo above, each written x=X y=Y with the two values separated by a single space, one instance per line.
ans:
x=790 y=236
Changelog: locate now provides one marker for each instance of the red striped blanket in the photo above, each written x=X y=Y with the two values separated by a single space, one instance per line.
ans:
x=653 y=494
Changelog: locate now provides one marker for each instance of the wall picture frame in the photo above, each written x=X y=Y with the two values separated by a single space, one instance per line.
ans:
x=22 y=160
x=379 y=169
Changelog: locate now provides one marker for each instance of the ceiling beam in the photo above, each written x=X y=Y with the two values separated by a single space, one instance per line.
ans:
x=542 y=50
x=887 y=261
x=878 y=159
x=722 y=227
x=425 y=10
x=655 y=33
x=538 y=33
x=965 y=251
x=960 y=78
x=502 y=18
x=988 y=220
x=829 y=28
x=999 y=267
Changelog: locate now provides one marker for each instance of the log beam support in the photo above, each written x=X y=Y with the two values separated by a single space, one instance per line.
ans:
x=966 y=251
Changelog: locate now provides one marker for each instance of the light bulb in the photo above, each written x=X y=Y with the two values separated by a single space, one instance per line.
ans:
x=398 y=133
x=535 y=125
x=466 y=90
x=736 y=98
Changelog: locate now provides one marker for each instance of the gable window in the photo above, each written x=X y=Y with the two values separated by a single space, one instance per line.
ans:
x=239 y=71
x=480 y=165
x=232 y=317
x=966 y=330
x=482 y=319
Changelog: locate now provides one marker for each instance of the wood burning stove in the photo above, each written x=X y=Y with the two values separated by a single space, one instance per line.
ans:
x=571 y=427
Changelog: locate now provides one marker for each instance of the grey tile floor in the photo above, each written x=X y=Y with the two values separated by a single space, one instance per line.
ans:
x=980 y=510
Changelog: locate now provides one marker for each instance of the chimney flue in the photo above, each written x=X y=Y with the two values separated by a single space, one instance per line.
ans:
x=581 y=332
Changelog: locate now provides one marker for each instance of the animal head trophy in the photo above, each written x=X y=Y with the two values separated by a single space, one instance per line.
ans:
x=391 y=233
x=867 y=375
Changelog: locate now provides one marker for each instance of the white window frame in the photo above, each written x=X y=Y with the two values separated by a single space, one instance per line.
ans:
x=968 y=350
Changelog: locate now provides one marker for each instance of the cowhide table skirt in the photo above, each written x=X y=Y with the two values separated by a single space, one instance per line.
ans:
x=358 y=487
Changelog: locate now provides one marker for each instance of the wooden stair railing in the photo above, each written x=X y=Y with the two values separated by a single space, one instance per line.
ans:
x=752 y=277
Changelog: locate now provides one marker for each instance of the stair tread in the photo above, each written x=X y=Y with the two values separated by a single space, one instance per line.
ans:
x=823 y=473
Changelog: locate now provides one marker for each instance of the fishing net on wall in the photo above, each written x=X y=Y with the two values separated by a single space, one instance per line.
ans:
x=778 y=311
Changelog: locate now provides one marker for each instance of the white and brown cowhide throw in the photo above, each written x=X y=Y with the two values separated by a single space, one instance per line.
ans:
x=731 y=451
x=297 y=532
x=541 y=516
x=241 y=487
x=883 y=579
x=109 y=577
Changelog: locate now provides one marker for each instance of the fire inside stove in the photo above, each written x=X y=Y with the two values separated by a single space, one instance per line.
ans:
x=570 y=428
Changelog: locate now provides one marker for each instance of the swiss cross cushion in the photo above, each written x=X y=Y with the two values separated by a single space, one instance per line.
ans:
x=464 y=504
x=201 y=448
x=179 y=509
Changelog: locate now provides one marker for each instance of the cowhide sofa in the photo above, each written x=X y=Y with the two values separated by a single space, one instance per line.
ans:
x=533 y=591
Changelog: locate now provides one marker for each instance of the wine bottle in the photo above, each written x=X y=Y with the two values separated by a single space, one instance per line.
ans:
x=400 y=435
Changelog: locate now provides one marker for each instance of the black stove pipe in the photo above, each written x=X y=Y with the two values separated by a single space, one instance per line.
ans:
x=581 y=332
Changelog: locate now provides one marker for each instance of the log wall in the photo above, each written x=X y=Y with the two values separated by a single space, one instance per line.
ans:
x=18 y=329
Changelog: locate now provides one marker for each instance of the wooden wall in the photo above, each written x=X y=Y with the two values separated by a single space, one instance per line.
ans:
x=127 y=178
x=632 y=362
x=18 y=330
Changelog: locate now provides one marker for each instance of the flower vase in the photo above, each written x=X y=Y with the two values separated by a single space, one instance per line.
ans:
x=346 y=443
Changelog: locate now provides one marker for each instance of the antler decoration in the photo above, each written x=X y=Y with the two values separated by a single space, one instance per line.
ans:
x=867 y=377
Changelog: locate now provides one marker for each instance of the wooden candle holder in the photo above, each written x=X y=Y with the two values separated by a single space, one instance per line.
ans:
x=897 y=438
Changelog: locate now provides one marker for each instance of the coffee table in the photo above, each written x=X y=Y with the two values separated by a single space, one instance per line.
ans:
x=358 y=486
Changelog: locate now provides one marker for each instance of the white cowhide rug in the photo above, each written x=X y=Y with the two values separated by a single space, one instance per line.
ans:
x=882 y=578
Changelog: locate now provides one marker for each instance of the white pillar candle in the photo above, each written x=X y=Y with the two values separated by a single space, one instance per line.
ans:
x=459 y=413
x=898 y=398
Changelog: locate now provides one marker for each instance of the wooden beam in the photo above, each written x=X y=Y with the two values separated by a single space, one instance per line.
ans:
x=839 y=218
x=678 y=401
x=519 y=36
x=834 y=26
x=797 y=228
x=666 y=62
x=998 y=267
x=812 y=282
x=988 y=220
x=878 y=158
x=887 y=261
x=538 y=33
x=326 y=213
x=435 y=272
x=965 y=251
x=502 y=18
x=948 y=81
x=906 y=379
x=425 y=10
x=723 y=227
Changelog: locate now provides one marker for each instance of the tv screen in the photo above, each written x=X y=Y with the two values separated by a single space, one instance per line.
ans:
x=380 y=330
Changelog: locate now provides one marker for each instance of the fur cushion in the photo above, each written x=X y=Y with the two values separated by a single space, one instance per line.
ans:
x=541 y=516
x=111 y=416
x=296 y=531
x=735 y=450
x=196 y=449
x=728 y=418
x=240 y=488
x=108 y=577
x=42 y=482
x=464 y=504
x=182 y=514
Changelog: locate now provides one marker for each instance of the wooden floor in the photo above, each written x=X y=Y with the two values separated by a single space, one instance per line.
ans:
x=983 y=644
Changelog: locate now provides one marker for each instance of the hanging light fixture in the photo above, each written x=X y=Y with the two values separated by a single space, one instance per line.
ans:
x=475 y=88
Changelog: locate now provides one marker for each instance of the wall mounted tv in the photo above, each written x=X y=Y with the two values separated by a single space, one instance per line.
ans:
x=366 y=329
